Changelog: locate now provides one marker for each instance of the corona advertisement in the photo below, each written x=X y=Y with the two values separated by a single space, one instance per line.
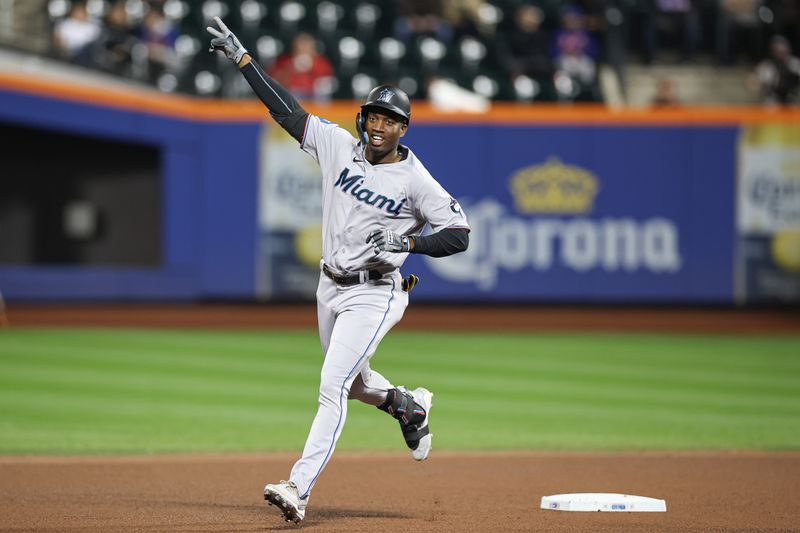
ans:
x=550 y=226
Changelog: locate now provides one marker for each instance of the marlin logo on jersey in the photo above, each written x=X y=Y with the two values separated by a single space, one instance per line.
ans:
x=352 y=184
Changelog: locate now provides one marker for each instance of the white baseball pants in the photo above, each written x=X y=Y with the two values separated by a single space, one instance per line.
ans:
x=352 y=322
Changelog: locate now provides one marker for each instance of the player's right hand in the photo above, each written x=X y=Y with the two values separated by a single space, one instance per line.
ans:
x=225 y=41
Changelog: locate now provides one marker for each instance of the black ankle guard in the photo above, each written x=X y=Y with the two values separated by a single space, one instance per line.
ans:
x=409 y=413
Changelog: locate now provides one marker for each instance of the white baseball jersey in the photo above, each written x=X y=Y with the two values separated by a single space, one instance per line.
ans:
x=359 y=197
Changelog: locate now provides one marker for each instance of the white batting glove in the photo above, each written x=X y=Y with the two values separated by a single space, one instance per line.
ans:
x=385 y=240
x=225 y=41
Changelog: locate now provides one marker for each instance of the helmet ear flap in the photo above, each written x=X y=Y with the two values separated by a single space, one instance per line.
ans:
x=361 y=127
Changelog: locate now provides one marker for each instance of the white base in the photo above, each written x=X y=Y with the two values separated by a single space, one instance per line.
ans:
x=615 y=503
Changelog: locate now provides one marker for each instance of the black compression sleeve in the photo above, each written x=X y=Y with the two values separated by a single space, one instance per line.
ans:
x=283 y=107
x=448 y=241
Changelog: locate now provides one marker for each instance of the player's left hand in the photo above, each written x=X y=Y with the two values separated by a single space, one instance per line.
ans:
x=385 y=240
x=225 y=41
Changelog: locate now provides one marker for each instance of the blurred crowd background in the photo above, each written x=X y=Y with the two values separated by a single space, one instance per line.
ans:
x=515 y=50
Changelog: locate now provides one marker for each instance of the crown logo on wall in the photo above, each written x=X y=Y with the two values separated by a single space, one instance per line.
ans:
x=554 y=188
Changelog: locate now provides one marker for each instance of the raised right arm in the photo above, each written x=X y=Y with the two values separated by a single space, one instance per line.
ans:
x=283 y=107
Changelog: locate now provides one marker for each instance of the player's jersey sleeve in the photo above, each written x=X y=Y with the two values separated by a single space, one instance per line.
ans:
x=323 y=140
x=434 y=205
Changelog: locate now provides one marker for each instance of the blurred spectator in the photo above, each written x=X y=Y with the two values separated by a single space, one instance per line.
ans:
x=464 y=16
x=738 y=30
x=671 y=18
x=28 y=19
x=74 y=35
x=614 y=34
x=594 y=15
x=666 y=94
x=574 y=54
x=305 y=72
x=527 y=45
x=157 y=38
x=117 y=40
x=421 y=17
x=779 y=74
x=572 y=37
x=784 y=19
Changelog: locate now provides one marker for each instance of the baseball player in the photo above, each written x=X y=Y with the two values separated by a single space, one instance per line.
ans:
x=377 y=197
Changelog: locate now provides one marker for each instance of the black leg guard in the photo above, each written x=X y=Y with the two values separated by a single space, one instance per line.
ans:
x=410 y=414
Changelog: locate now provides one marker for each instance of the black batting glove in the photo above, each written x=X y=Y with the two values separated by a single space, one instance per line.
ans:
x=386 y=240
x=225 y=41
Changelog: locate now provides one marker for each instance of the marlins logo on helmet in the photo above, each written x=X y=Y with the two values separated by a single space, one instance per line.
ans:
x=386 y=95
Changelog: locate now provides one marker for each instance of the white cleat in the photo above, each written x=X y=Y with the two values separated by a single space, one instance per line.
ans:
x=287 y=498
x=423 y=397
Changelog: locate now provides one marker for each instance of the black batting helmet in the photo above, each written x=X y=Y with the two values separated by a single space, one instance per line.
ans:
x=389 y=98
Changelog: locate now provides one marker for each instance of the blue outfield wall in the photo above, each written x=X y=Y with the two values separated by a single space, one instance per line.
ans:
x=209 y=198
x=590 y=213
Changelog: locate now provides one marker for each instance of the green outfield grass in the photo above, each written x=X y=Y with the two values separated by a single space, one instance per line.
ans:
x=132 y=391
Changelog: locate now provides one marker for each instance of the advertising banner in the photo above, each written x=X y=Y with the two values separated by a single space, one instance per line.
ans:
x=768 y=219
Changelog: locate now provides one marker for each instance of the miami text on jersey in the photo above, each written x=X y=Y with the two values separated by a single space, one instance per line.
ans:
x=352 y=185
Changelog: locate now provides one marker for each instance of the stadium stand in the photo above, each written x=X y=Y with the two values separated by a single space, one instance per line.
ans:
x=512 y=50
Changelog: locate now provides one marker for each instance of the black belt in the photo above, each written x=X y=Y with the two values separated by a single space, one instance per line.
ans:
x=350 y=279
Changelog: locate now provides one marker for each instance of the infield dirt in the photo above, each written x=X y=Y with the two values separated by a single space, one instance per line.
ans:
x=390 y=492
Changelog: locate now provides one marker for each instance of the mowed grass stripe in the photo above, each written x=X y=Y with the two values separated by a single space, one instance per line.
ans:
x=632 y=367
x=177 y=354
x=667 y=354
x=734 y=353
x=144 y=407
x=183 y=391
x=127 y=371
x=626 y=389
x=590 y=373
x=107 y=391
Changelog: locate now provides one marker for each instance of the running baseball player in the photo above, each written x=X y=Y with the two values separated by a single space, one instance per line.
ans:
x=377 y=197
